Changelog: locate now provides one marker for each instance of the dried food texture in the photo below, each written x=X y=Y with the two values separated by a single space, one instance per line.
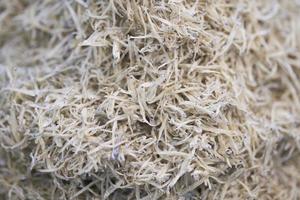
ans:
x=150 y=99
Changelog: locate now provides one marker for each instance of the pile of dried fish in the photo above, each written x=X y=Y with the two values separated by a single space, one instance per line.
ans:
x=149 y=99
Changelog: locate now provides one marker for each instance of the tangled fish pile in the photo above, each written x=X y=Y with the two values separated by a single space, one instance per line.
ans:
x=150 y=99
